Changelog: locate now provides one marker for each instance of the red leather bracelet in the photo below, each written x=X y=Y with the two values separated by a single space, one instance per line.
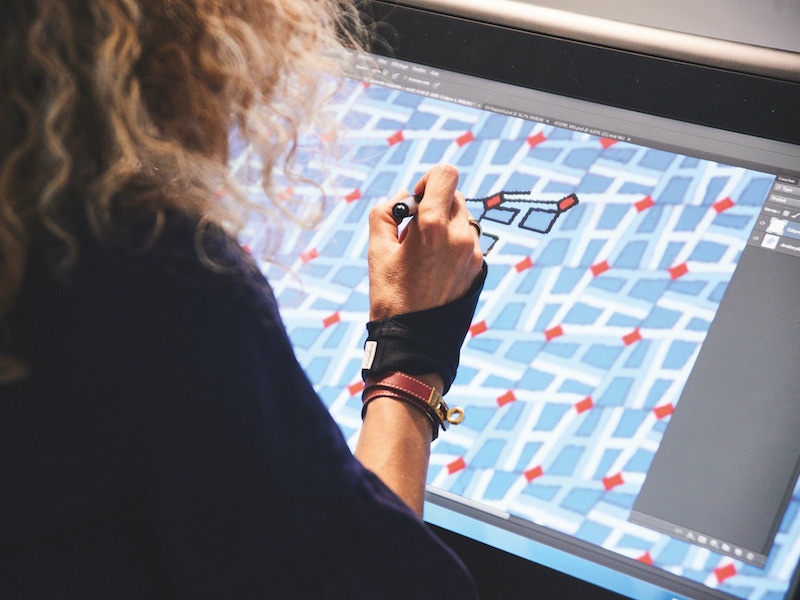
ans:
x=426 y=398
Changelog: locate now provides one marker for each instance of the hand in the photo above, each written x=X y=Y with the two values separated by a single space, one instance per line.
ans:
x=434 y=260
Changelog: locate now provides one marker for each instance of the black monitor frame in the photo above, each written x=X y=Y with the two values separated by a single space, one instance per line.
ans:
x=743 y=102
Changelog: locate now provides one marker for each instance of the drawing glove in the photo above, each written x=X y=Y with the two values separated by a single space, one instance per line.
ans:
x=425 y=341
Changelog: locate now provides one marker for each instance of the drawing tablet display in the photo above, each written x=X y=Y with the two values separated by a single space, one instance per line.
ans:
x=630 y=378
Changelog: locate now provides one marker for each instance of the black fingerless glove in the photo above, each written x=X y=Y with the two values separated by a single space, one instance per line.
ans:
x=425 y=341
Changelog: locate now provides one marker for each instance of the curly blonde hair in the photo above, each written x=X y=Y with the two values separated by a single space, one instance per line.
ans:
x=110 y=106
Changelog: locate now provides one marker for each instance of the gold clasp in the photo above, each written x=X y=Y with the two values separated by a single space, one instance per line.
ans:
x=455 y=415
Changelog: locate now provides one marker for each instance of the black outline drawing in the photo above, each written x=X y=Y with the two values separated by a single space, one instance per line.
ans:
x=504 y=208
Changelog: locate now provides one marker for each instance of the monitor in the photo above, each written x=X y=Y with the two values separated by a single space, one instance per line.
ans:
x=630 y=379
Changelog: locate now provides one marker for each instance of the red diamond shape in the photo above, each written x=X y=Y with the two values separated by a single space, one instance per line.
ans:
x=535 y=140
x=533 y=473
x=493 y=201
x=600 y=268
x=478 y=328
x=395 y=138
x=353 y=196
x=567 y=202
x=632 y=337
x=584 y=405
x=465 y=139
x=332 y=319
x=646 y=558
x=506 y=398
x=662 y=412
x=309 y=255
x=355 y=388
x=725 y=572
x=678 y=271
x=456 y=466
x=613 y=481
x=722 y=205
x=607 y=142
x=525 y=263
x=553 y=333
x=644 y=204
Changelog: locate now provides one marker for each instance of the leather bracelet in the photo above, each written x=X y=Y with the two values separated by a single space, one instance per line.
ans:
x=384 y=393
x=426 y=398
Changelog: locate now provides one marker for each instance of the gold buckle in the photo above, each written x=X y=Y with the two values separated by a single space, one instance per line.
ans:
x=446 y=415
x=455 y=415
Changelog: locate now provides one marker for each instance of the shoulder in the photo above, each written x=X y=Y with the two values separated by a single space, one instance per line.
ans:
x=183 y=267
x=136 y=307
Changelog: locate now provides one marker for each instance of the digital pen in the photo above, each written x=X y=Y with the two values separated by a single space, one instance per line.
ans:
x=407 y=207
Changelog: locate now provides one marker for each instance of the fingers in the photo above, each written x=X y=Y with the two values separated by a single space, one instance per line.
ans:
x=442 y=213
x=436 y=257
x=438 y=191
x=449 y=210
x=445 y=206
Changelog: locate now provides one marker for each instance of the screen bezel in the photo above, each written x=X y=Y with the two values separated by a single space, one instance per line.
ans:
x=742 y=102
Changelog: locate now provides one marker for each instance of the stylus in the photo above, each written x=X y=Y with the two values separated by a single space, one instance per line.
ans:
x=407 y=207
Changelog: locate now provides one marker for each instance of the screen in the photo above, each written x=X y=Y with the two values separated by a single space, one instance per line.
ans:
x=630 y=379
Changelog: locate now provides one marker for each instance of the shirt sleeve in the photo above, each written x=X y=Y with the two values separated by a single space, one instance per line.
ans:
x=251 y=487
x=372 y=548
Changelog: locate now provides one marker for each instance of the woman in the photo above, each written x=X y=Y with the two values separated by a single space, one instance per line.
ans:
x=158 y=438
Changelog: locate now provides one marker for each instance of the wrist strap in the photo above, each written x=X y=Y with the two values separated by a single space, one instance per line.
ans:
x=416 y=393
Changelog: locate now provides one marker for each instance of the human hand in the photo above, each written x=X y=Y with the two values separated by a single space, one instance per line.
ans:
x=434 y=260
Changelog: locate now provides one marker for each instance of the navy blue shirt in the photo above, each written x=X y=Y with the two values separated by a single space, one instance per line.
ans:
x=169 y=445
